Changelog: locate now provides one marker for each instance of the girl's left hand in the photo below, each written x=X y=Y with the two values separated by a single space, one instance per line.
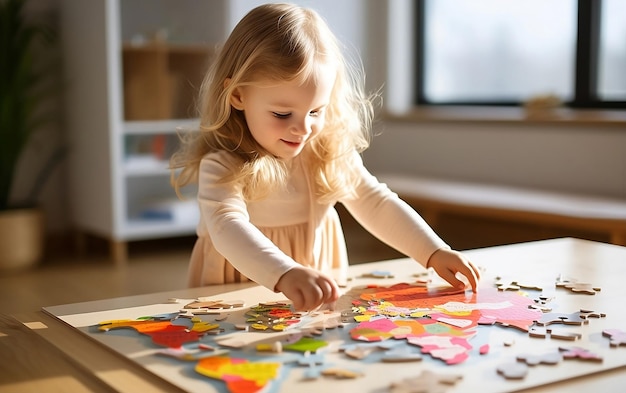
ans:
x=449 y=262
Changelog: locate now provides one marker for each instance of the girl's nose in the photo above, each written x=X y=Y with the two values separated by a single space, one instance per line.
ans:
x=300 y=127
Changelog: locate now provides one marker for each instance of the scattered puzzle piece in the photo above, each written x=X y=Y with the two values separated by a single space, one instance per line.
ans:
x=215 y=304
x=426 y=382
x=618 y=337
x=377 y=274
x=513 y=370
x=576 y=286
x=541 y=332
x=577 y=318
x=546 y=358
x=305 y=344
x=580 y=354
x=509 y=285
x=341 y=373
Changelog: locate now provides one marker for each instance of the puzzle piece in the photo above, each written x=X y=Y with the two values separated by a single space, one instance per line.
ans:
x=580 y=354
x=341 y=373
x=377 y=274
x=359 y=351
x=546 y=358
x=426 y=382
x=239 y=375
x=305 y=344
x=513 y=370
x=577 y=318
x=214 y=304
x=576 y=286
x=618 y=337
x=541 y=332
x=511 y=285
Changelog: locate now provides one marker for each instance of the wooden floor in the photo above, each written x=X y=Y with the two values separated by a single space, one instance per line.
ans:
x=153 y=266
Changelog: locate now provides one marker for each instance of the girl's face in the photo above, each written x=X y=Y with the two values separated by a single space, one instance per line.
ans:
x=283 y=116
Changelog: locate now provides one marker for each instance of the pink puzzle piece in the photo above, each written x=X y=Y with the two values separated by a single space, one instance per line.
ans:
x=452 y=350
x=618 y=337
x=580 y=354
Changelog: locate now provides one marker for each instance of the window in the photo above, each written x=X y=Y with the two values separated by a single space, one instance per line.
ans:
x=503 y=52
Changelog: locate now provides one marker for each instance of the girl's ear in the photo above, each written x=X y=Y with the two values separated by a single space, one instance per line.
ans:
x=236 y=100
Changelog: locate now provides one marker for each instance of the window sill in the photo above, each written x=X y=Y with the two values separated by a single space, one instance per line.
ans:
x=512 y=115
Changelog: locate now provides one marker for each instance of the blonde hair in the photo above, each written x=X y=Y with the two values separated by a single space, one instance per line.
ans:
x=279 y=42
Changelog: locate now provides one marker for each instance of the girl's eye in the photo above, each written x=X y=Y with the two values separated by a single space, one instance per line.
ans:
x=314 y=113
x=281 y=115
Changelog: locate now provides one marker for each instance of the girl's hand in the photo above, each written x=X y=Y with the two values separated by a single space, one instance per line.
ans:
x=307 y=288
x=449 y=262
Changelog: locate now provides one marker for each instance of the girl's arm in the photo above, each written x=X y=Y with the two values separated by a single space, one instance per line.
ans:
x=225 y=218
x=381 y=212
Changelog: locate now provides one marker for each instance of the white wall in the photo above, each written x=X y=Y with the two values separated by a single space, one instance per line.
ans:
x=589 y=160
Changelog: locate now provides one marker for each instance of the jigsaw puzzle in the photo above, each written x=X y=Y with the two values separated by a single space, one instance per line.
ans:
x=224 y=345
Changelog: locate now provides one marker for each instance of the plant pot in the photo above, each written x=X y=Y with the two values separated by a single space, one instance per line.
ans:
x=21 y=238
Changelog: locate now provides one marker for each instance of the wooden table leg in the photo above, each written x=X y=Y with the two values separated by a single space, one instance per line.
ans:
x=119 y=252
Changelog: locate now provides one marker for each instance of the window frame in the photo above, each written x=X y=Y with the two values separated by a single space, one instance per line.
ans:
x=586 y=59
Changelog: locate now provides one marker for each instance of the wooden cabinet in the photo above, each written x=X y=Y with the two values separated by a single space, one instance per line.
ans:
x=132 y=72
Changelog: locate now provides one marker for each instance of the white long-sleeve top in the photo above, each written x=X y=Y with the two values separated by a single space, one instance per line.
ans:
x=262 y=240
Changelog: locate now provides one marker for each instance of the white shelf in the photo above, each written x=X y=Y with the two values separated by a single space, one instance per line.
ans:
x=145 y=166
x=115 y=169
x=137 y=229
x=148 y=127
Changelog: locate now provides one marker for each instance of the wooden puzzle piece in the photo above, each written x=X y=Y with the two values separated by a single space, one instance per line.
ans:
x=214 y=304
x=377 y=274
x=541 y=332
x=576 y=286
x=579 y=354
x=341 y=373
x=617 y=337
x=513 y=370
x=426 y=382
x=577 y=318
x=541 y=307
x=507 y=286
x=546 y=358
x=514 y=285
x=359 y=351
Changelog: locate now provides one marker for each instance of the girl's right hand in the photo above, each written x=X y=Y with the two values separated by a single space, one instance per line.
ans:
x=307 y=288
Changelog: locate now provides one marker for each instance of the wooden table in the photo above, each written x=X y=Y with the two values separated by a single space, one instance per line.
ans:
x=39 y=352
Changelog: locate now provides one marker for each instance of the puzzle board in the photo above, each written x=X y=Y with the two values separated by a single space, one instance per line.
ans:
x=472 y=336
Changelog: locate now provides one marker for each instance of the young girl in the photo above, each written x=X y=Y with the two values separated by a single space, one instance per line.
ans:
x=283 y=118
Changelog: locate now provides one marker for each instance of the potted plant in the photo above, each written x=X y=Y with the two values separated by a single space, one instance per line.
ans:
x=23 y=90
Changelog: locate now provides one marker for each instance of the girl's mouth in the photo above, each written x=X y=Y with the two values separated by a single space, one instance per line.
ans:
x=292 y=144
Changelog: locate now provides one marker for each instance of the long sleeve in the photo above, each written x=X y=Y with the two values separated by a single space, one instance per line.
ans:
x=225 y=218
x=381 y=212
